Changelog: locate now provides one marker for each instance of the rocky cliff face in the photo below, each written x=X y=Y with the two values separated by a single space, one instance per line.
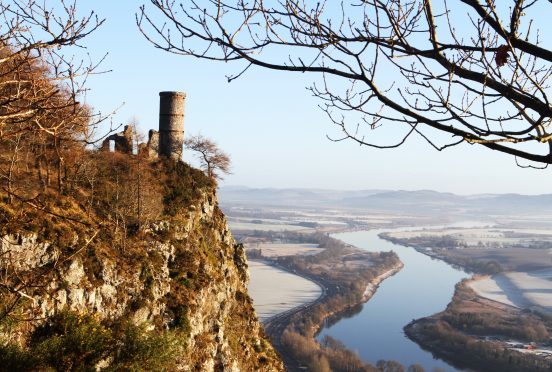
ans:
x=185 y=273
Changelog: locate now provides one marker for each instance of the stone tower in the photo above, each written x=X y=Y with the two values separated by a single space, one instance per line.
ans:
x=171 y=124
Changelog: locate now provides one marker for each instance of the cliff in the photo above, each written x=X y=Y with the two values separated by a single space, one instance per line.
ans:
x=170 y=295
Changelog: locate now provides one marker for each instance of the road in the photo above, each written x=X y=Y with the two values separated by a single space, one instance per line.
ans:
x=275 y=325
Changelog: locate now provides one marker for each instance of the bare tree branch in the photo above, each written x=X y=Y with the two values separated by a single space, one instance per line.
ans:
x=474 y=70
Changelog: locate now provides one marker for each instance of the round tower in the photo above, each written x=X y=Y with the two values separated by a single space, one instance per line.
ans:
x=171 y=124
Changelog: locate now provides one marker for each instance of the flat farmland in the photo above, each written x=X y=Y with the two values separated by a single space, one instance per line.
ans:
x=281 y=249
x=274 y=290
x=519 y=289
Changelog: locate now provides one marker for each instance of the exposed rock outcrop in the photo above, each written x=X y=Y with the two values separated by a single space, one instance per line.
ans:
x=187 y=273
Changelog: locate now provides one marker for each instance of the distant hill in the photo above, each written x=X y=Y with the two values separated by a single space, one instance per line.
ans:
x=396 y=201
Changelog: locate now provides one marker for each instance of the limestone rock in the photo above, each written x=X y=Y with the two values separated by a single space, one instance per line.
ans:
x=191 y=272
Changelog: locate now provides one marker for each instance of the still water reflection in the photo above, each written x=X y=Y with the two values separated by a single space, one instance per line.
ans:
x=423 y=287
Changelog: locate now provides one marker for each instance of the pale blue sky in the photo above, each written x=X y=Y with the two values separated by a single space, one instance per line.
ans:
x=271 y=126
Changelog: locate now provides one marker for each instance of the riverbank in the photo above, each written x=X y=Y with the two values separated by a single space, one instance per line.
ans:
x=373 y=286
x=483 y=250
x=472 y=266
x=369 y=292
x=423 y=287
x=348 y=277
x=297 y=348
x=496 y=321
x=481 y=334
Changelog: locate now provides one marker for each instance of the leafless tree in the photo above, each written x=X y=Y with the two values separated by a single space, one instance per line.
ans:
x=41 y=85
x=44 y=128
x=469 y=71
x=212 y=159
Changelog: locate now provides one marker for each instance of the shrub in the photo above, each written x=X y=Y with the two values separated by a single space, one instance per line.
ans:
x=71 y=341
x=13 y=358
x=139 y=350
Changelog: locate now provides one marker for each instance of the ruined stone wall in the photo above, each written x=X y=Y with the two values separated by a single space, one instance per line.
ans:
x=122 y=140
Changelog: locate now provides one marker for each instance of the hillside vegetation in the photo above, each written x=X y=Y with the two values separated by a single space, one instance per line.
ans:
x=108 y=260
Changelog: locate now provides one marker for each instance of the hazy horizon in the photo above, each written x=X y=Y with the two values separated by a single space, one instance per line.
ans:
x=237 y=186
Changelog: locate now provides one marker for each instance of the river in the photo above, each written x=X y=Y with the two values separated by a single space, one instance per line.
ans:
x=423 y=287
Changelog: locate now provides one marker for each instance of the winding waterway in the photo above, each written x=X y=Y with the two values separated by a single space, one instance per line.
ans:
x=423 y=287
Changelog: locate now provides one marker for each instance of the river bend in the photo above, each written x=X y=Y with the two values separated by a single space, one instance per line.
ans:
x=423 y=287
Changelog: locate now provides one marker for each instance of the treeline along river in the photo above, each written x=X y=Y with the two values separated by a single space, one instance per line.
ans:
x=423 y=287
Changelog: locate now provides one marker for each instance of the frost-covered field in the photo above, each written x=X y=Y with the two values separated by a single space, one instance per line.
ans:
x=489 y=236
x=519 y=289
x=265 y=227
x=277 y=249
x=274 y=291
